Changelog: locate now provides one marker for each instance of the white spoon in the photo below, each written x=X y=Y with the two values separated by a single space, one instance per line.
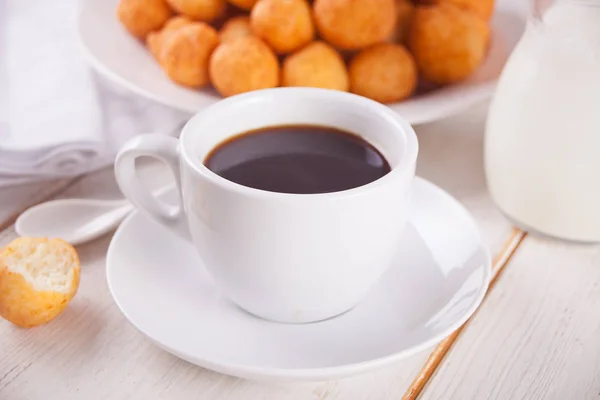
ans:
x=75 y=220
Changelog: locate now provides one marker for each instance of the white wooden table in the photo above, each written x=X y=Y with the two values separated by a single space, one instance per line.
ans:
x=536 y=336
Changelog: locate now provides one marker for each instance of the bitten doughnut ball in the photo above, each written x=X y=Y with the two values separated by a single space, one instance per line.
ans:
x=140 y=17
x=448 y=43
x=285 y=25
x=201 y=10
x=483 y=8
x=355 y=24
x=243 y=4
x=184 y=53
x=234 y=28
x=384 y=72
x=38 y=279
x=316 y=65
x=242 y=65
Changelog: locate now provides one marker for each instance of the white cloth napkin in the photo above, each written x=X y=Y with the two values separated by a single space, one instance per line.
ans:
x=57 y=118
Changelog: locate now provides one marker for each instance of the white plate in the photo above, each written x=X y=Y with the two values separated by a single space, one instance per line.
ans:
x=441 y=276
x=123 y=59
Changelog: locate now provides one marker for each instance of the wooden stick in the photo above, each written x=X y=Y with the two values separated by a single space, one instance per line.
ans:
x=440 y=351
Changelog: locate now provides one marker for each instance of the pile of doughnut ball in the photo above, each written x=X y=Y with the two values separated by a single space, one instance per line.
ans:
x=381 y=49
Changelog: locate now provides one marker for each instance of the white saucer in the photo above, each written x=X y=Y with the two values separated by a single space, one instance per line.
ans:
x=124 y=60
x=158 y=282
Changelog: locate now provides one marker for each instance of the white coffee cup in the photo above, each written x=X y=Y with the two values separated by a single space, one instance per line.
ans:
x=283 y=257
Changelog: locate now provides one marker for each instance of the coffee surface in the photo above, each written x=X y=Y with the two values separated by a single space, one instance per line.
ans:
x=300 y=159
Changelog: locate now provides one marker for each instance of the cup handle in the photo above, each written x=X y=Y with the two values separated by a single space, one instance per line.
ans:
x=166 y=149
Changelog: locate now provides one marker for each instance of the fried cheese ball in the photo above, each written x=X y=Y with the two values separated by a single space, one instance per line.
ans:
x=38 y=279
x=285 y=25
x=405 y=10
x=242 y=65
x=234 y=28
x=355 y=24
x=448 y=43
x=184 y=53
x=140 y=17
x=243 y=4
x=483 y=8
x=155 y=39
x=385 y=72
x=201 y=10
x=316 y=65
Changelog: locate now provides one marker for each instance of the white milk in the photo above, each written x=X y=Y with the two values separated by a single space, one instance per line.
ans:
x=542 y=144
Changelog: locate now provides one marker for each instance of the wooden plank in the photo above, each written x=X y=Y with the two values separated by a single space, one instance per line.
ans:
x=16 y=199
x=538 y=336
x=439 y=352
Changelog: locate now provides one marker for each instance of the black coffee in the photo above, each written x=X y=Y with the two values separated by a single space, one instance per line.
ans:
x=298 y=159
